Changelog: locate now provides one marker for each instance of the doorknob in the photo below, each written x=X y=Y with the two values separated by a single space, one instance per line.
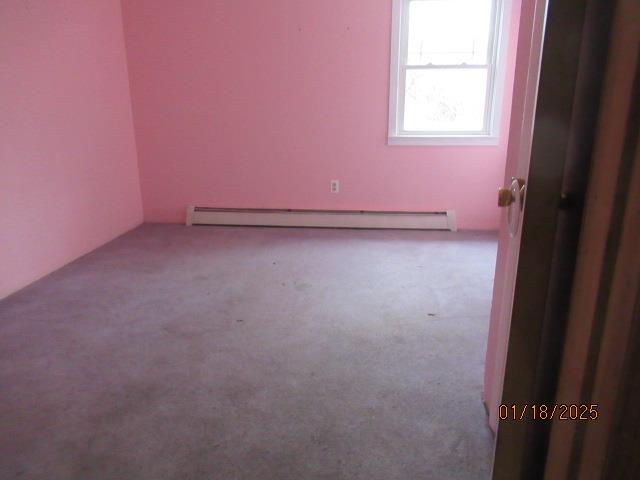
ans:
x=513 y=194
x=505 y=197
x=513 y=199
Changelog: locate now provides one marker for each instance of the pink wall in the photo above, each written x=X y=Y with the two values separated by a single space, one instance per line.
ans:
x=261 y=104
x=68 y=169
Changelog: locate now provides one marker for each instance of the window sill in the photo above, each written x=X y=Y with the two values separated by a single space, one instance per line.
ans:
x=443 y=140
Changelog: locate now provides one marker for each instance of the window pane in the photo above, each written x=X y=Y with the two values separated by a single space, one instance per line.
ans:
x=445 y=100
x=449 y=32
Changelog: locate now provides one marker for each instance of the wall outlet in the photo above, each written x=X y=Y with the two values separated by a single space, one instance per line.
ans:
x=335 y=186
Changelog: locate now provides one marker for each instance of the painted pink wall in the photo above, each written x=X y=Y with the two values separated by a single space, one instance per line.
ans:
x=261 y=104
x=514 y=147
x=68 y=169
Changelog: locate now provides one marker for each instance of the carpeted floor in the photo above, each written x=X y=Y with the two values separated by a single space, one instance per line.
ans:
x=252 y=353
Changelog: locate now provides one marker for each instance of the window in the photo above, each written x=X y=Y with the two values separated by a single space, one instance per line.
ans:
x=444 y=72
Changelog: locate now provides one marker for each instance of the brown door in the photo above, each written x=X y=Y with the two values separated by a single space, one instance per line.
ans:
x=574 y=56
x=602 y=348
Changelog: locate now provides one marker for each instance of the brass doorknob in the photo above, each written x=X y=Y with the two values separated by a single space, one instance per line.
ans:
x=513 y=194
x=505 y=197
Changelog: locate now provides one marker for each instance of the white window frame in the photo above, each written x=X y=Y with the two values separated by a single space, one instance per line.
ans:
x=495 y=82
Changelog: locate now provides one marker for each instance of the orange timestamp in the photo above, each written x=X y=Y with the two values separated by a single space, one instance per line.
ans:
x=542 y=411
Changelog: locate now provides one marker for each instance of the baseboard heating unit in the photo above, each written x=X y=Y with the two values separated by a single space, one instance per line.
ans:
x=322 y=218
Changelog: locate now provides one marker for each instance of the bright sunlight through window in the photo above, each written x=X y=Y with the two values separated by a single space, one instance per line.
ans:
x=444 y=75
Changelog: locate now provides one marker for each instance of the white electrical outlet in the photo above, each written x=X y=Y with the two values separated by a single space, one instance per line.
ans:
x=335 y=186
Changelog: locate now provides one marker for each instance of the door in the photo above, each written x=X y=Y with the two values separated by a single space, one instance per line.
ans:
x=602 y=344
x=538 y=259
x=531 y=32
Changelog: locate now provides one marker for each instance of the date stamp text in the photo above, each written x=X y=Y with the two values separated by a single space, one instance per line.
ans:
x=526 y=411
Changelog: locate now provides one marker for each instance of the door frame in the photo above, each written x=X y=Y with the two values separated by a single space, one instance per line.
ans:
x=602 y=344
x=574 y=44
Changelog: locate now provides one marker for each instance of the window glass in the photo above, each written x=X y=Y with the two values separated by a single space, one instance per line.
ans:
x=443 y=100
x=449 y=32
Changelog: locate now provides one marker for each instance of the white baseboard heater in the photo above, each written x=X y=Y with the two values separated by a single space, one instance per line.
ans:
x=322 y=218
